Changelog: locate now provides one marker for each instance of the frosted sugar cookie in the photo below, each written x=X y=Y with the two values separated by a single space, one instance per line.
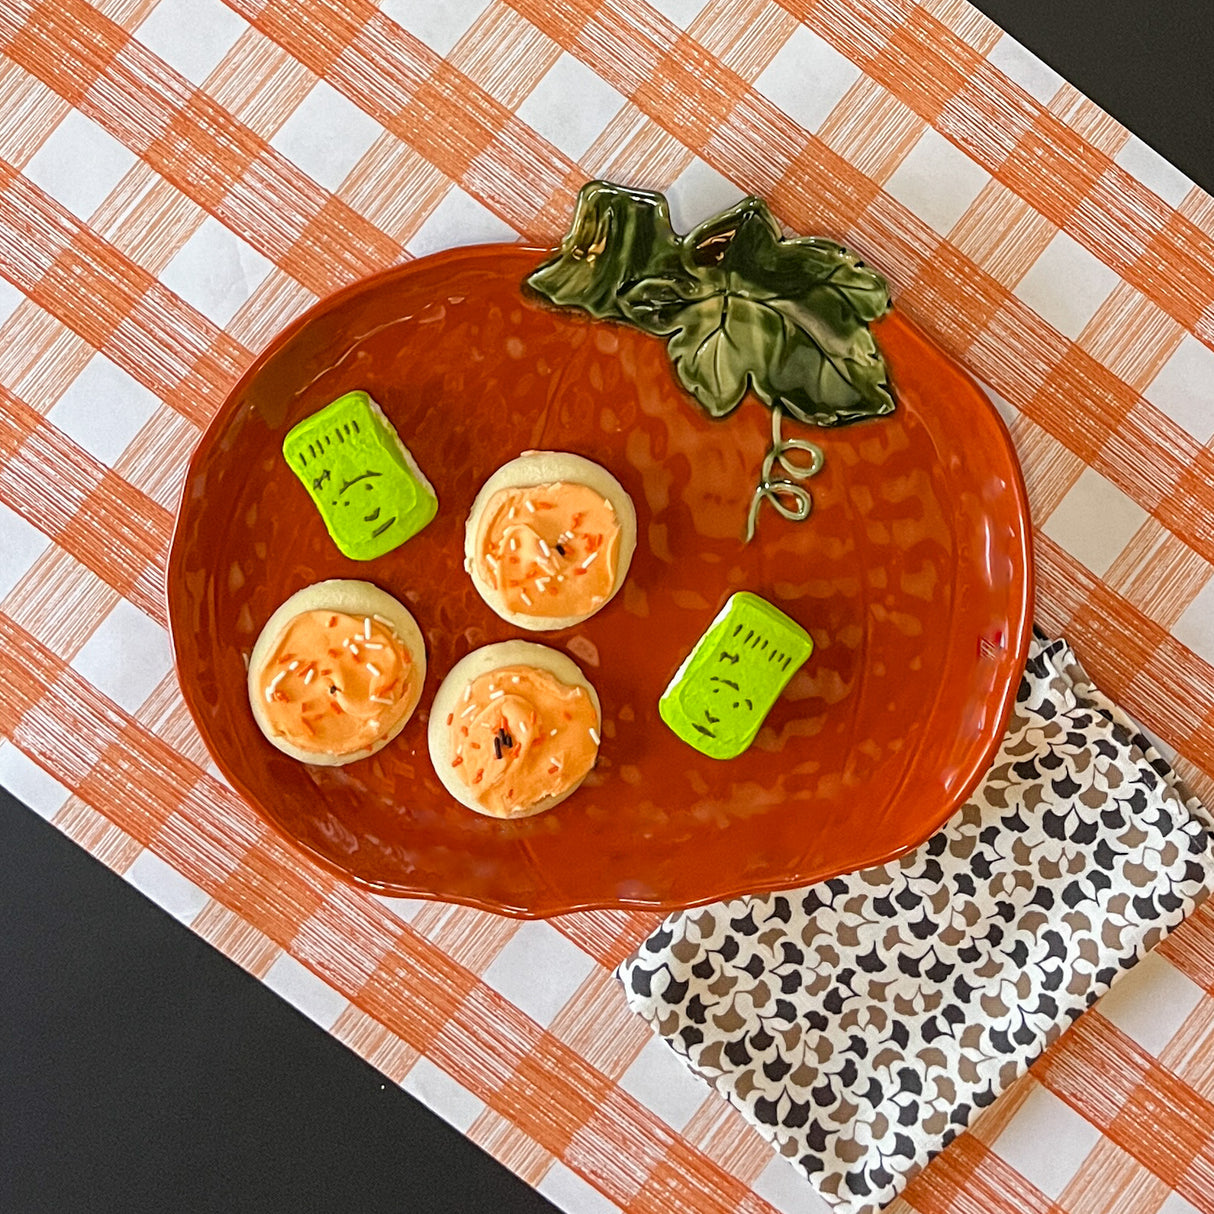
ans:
x=549 y=539
x=514 y=729
x=336 y=672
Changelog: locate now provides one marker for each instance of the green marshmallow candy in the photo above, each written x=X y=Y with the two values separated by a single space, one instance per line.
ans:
x=365 y=483
x=727 y=685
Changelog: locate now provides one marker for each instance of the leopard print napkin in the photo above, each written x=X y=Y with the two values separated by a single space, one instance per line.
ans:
x=861 y=1024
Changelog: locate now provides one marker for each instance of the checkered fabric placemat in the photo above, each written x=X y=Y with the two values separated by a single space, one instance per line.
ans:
x=179 y=178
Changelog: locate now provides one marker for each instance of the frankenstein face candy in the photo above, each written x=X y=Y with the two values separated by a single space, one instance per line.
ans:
x=726 y=686
x=360 y=476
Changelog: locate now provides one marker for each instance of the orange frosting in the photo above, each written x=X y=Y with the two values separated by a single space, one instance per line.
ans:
x=520 y=735
x=551 y=550
x=336 y=683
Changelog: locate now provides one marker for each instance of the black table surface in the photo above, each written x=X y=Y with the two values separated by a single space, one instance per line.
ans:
x=140 y=1070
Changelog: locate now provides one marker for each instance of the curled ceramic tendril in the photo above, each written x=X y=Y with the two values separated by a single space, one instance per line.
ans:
x=775 y=489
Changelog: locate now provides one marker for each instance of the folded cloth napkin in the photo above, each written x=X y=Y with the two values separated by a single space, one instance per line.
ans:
x=860 y=1024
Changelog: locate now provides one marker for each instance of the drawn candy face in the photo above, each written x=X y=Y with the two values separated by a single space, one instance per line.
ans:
x=722 y=693
x=362 y=478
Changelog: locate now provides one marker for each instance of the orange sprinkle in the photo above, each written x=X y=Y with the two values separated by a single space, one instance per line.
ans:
x=457 y=760
x=450 y=717
x=479 y=776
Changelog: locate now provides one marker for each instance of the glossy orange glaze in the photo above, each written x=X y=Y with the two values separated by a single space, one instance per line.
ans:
x=551 y=550
x=520 y=736
x=912 y=576
x=335 y=683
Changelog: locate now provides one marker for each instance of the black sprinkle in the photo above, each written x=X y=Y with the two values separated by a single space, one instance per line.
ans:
x=561 y=549
x=497 y=746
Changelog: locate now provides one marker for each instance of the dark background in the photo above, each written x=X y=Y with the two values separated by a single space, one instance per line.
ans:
x=142 y=1071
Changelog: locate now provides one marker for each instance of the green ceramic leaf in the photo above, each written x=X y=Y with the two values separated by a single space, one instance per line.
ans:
x=658 y=304
x=741 y=306
x=617 y=237
x=715 y=349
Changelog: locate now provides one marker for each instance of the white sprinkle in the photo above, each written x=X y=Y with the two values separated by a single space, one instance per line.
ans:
x=607 y=503
x=522 y=594
x=594 y=737
x=545 y=549
x=496 y=695
x=373 y=723
x=293 y=665
x=514 y=678
x=467 y=693
x=278 y=678
x=386 y=623
x=348 y=642
x=511 y=513
x=552 y=734
x=557 y=763
x=373 y=670
x=560 y=577
x=372 y=645
x=529 y=506
x=540 y=583
x=309 y=676
x=588 y=561
x=522 y=730
x=366 y=628
x=354 y=651
x=379 y=699
x=513 y=544
x=468 y=711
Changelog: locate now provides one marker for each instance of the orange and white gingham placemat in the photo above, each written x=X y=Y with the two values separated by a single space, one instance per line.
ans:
x=179 y=178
